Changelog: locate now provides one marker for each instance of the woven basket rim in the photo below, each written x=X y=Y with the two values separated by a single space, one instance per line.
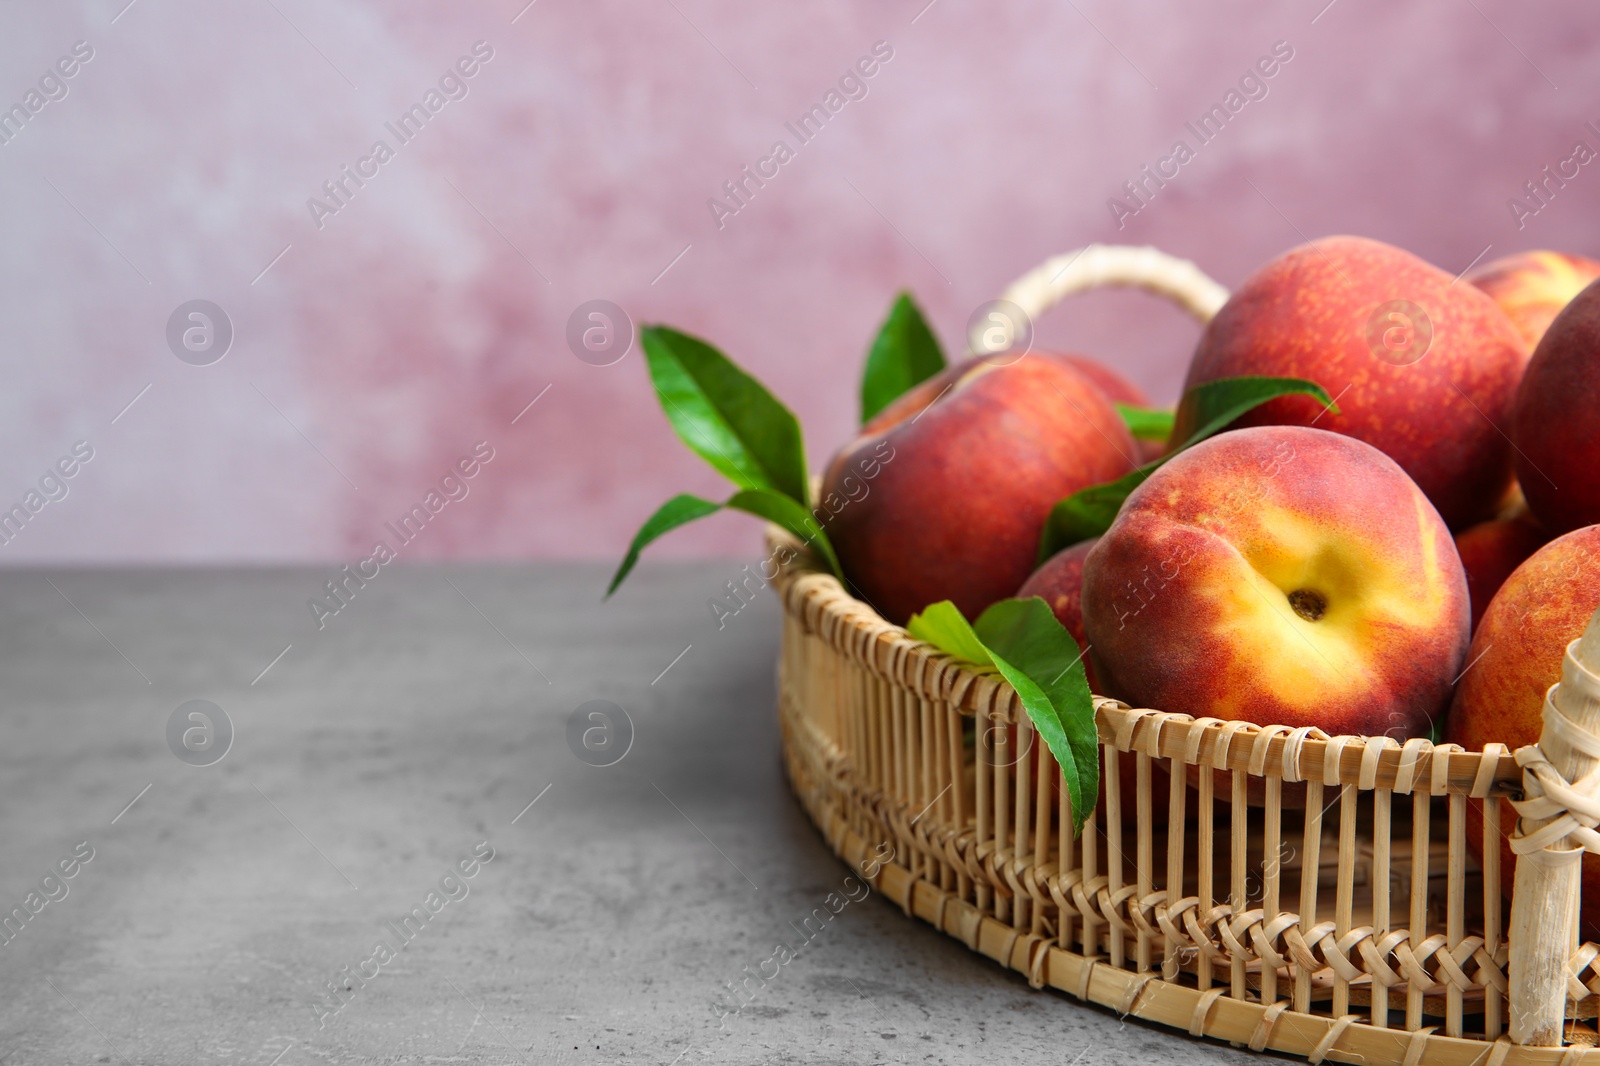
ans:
x=821 y=603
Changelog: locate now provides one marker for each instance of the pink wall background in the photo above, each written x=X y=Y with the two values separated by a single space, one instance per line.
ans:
x=411 y=325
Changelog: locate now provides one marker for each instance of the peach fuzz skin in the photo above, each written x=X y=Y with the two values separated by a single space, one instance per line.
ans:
x=1542 y=607
x=1118 y=389
x=1280 y=575
x=1490 y=551
x=1306 y=314
x=980 y=454
x=1059 y=582
x=1558 y=449
x=1533 y=287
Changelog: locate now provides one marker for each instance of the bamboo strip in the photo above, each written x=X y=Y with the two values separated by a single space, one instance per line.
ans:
x=1022 y=825
x=877 y=750
x=1177 y=797
x=1207 y=862
x=1000 y=852
x=1113 y=776
x=917 y=788
x=1493 y=1006
x=1310 y=866
x=1455 y=905
x=1381 y=828
x=1043 y=788
x=1420 y=810
x=958 y=791
x=1090 y=841
x=1144 y=869
x=983 y=794
x=900 y=742
x=1344 y=890
x=901 y=759
x=1272 y=844
x=1065 y=860
x=928 y=779
x=1239 y=896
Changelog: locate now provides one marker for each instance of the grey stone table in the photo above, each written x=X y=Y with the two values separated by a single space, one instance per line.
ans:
x=232 y=912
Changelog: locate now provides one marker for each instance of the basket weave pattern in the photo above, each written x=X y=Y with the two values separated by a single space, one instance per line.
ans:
x=1341 y=915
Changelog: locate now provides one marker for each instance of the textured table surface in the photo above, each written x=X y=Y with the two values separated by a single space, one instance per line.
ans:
x=377 y=753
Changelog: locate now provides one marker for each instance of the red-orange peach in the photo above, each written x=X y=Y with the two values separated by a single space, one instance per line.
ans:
x=1557 y=423
x=1515 y=657
x=1423 y=370
x=1059 y=582
x=1118 y=389
x=1280 y=575
x=1533 y=287
x=1490 y=551
x=970 y=463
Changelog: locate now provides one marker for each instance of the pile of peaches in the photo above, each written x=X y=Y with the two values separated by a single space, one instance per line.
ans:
x=1375 y=509
x=1410 y=559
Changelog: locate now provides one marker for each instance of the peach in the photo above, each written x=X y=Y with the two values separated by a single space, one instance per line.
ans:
x=1555 y=427
x=1059 y=582
x=1490 y=551
x=1280 y=574
x=1533 y=287
x=1423 y=370
x=1118 y=389
x=971 y=460
x=1515 y=658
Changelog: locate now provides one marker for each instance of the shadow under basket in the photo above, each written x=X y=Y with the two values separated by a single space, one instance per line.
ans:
x=1359 y=928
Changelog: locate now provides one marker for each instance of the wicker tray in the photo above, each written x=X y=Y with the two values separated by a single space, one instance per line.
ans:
x=1352 y=926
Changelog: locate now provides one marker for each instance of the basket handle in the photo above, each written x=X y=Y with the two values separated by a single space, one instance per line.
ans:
x=1550 y=840
x=1103 y=265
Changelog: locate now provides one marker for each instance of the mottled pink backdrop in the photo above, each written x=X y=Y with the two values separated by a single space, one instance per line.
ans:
x=428 y=312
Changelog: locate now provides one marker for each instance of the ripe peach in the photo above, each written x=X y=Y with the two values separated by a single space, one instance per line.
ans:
x=976 y=458
x=1533 y=287
x=1490 y=551
x=1280 y=575
x=1515 y=657
x=1423 y=370
x=1558 y=446
x=1118 y=389
x=1059 y=582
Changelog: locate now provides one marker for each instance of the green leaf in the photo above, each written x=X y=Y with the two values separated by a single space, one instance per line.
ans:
x=1025 y=635
x=1038 y=657
x=778 y=508
x=680 y=510
x=1215 y=405
x=725 y=415
x=1211 y=408
x=942 y=625
x=763 y=503
x=905 y=353
x=1146 y=423
x=1088 y=512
